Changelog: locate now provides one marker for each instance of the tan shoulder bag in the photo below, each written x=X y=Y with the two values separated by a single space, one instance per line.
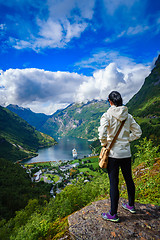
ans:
x=103 y=157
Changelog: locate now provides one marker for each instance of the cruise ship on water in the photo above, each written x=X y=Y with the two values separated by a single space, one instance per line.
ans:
x=74 y=153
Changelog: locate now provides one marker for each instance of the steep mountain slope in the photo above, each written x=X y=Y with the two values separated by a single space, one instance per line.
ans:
x=18 y=139
x=34 y=119
x=77 y=120
x=145 y=105
x=147 y=101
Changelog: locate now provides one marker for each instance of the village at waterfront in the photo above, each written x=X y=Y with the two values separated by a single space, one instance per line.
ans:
x=59 y=174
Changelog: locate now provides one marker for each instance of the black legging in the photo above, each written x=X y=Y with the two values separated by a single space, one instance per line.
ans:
x=113 y=172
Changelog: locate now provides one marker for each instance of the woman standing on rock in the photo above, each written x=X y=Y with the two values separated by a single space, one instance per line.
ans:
x=120 y=154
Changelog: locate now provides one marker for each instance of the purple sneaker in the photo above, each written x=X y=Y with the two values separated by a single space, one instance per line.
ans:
x=129 y=208
x=109 y=217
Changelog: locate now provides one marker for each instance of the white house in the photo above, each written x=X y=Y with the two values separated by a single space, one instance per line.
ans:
x=75 y=165
x=37 y=175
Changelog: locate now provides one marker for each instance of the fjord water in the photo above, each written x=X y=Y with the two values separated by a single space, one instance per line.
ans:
x=63 y=150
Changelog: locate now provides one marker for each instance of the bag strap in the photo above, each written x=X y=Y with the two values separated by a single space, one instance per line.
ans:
x=115 y=137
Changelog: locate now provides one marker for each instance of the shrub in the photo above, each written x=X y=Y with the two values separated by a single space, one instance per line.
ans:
x=146 y=152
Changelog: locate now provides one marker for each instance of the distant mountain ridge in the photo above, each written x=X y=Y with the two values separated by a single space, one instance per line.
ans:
x=18 y=139
x=35 y=119
x=77 y=120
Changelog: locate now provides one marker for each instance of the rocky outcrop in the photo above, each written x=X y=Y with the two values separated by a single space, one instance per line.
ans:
x=87 y=223
x=157 y=61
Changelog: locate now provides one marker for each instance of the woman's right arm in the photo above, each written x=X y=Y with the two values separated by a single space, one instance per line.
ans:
x=136 y=131
x=104 y=123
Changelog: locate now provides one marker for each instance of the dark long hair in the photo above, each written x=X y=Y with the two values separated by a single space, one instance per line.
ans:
x=116 y=98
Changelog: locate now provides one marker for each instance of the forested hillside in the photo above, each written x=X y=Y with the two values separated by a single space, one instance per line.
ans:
x=145 y=105
x=18 y=139
x=147 y=101
x=16 y=189
x=77 y=120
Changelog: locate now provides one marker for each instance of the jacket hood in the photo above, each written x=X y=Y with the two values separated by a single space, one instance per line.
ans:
x=120 y=113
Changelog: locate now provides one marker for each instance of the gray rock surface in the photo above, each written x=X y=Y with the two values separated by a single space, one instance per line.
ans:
x=87 y=223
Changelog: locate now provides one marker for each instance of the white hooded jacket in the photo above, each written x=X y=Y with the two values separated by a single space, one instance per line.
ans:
x=109 y=125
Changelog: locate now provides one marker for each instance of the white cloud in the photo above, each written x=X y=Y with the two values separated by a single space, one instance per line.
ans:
x=45 y=91
x=50 y=30
x=52 y=35
x=136 y=30
x=100 y=84
x=36 y=87
x=125 y=78
x=74 y=30
x=66 y=20
x=45 y=107
x=96 y=61
x=71 y=9
x=20 y=44
x=2 y=26
x=139 y=29
x=101 y=59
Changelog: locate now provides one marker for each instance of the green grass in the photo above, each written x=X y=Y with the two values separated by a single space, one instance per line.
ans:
x=56 y=178
x=49 y=176
x=74 y=161
x=142 y=120
x=147 y=183
x=84 y=169
x=40 y=164
x=92 y=159
x=94 y=164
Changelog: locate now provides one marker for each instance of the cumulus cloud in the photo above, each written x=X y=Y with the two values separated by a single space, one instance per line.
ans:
x=46 y=91
x=27 y=87
x=127 y=80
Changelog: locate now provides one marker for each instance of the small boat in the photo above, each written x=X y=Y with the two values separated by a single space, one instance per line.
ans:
x=74 y=153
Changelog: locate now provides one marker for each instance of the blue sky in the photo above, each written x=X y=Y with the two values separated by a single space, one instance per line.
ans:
x=54 y=52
